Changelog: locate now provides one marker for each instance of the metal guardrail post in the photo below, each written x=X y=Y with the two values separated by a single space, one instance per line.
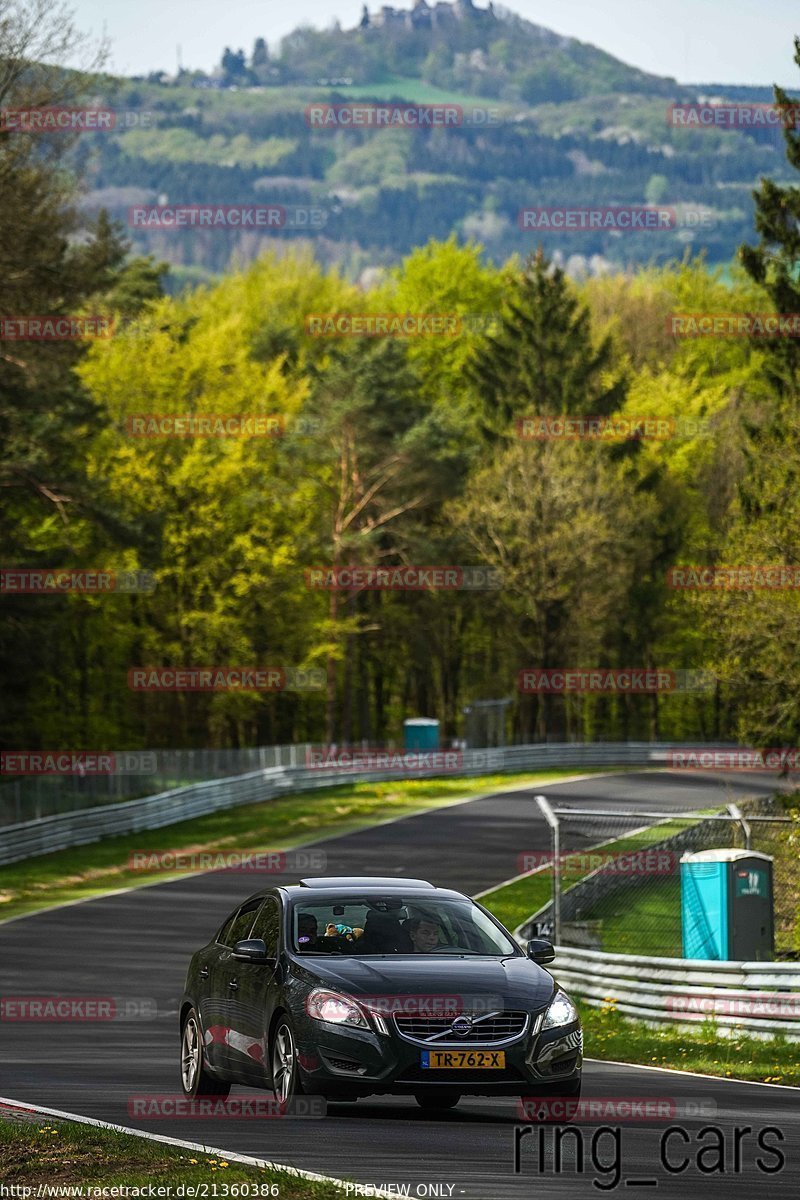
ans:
x=737 y=815
x=555 y=826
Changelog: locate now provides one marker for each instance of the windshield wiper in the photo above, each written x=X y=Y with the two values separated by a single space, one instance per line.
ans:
x=456 y=953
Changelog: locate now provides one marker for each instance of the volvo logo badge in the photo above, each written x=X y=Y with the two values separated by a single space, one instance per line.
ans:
x=461 y=1026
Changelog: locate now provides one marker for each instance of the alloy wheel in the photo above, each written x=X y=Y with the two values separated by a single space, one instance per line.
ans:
x=190 y=1055
x=283 y=1064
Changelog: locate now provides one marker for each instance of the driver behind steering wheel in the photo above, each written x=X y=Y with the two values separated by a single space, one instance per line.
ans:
x=425 y=934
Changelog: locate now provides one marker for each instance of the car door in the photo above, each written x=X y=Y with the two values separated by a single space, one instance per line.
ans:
x=254 y=1000
x=219 y=1016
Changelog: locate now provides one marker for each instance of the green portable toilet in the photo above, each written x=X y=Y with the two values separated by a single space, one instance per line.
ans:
x=421 y=733
x=726 y=906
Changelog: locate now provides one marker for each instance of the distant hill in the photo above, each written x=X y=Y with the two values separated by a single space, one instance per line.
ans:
x=570 y=125
x=486 y=52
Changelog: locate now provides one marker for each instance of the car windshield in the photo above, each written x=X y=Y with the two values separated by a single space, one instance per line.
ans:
x=412 y=924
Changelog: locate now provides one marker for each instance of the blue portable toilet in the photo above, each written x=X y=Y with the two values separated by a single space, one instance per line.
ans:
x=421 y=733
x=726 y=906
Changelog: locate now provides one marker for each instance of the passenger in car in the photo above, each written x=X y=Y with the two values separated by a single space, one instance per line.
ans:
x=307 y=938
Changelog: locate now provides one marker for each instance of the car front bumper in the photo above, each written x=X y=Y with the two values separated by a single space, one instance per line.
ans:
x=344 y=1060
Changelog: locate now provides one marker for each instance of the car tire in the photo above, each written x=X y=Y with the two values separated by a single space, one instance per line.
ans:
x=283 y=1060
x=433 y=1101
x=196 y=1079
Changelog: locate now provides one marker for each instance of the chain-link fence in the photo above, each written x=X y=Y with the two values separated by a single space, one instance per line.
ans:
x=132 y=774
x=614 y=878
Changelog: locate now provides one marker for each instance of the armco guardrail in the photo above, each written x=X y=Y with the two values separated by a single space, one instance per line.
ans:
x=762 y=998
x=46 y=834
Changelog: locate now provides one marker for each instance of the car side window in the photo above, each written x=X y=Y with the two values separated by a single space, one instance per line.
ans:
x=266 y=926
x=239 y=926
x=223 y=933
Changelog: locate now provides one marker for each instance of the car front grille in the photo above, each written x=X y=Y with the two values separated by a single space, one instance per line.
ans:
x=487 y=1029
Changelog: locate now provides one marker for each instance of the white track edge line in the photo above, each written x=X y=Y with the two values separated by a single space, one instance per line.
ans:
x=231 y=1155
x=615 y=1062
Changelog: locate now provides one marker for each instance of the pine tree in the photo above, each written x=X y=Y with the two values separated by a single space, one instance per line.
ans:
x=775 y=263
x=543 y=359
x=52 y=263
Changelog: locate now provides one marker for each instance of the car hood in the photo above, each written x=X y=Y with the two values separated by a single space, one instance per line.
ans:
x=512 y=982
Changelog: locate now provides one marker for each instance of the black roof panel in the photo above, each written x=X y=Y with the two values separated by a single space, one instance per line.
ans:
x=332 y=882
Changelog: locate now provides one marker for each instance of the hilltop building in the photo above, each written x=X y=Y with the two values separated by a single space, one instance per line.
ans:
x=422 y=15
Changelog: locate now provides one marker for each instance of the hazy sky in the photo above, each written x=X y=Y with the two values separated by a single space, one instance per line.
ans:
x=728 y=41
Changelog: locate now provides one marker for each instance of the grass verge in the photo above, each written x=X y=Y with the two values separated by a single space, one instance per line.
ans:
x=512 y=902
x=67 y=1154
x=648 y=921
x=273 y=825
x=609 y=1035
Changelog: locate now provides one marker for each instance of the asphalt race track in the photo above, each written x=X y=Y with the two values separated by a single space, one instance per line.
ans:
x=137 y=945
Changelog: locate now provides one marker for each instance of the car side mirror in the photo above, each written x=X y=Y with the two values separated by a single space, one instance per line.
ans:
x=541 y=951
x=251 y=950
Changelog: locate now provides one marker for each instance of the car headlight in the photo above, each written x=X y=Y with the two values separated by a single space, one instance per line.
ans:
x=324 y=1005
x=561 y=1011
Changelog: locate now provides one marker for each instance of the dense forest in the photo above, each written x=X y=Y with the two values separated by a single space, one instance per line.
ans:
x=384 y=192
x=394 y=451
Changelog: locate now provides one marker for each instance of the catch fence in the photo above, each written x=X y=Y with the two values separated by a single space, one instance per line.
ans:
x=612 y=879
